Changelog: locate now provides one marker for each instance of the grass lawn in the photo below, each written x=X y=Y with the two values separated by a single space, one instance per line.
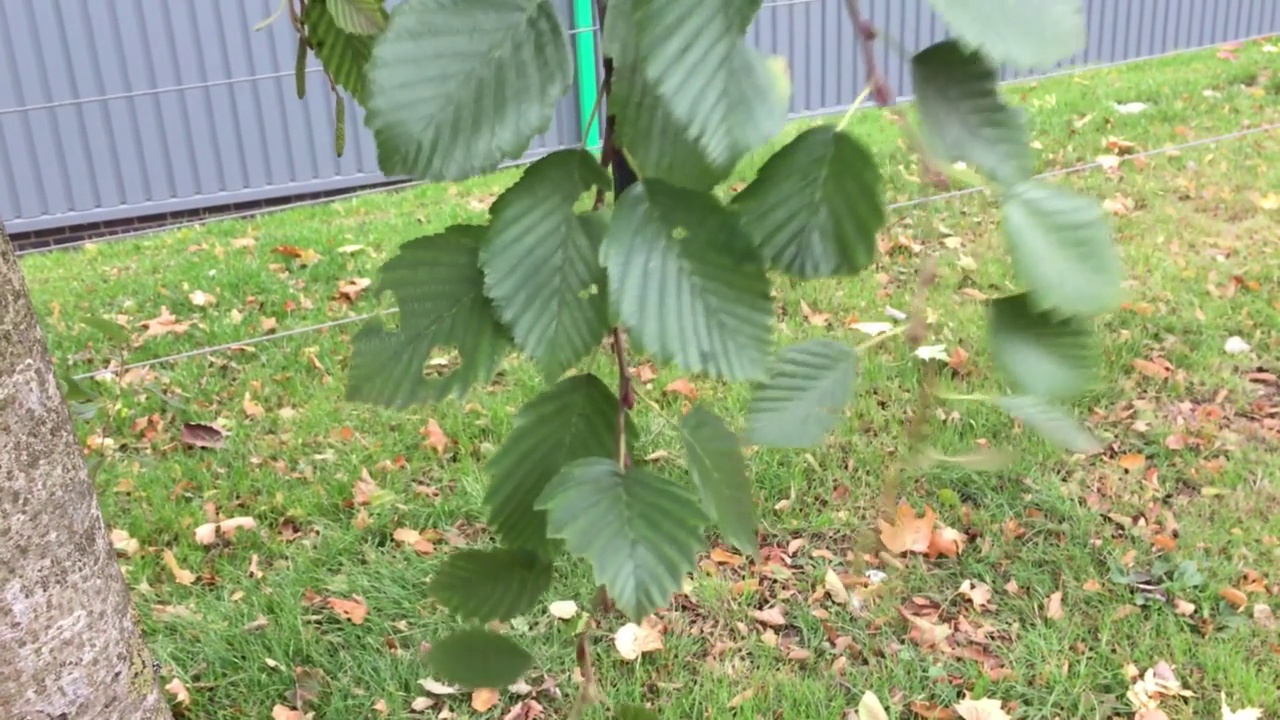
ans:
x=1075 y=573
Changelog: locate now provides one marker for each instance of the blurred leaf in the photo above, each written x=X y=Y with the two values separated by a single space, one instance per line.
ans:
x=720 y=472
x=962 y=116
x=635 y=712
x=640 y=532
x=439 y=287
x=688 y=282
x=1023 y=33
x=113 y=330
x=1056 y=424
x=476 y=658
x=1062 y=249
x=804 y=397
x=344 y=56
x=458 y=87
x=1042 y=354
x=541 y=262
x=492 y=584
x=358 y=17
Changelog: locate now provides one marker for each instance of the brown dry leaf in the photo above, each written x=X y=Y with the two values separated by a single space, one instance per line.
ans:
x=124 y=544
x=834 y=586
x=869 y=707
x=1053 y=606
x=350 y=290
x=1119 y=205
x=252 y=409
x=380 y=706
x=354 y=609
x=207 y=534
x=1132 y=462
x=908 y=533
x=483 y=699
x=959 y=359
x=773 y=617
x=1156 y=683
x=202 y=436
x=1183 y=608
x=1151 y=369
x=364 y=489
x=304 y=256
x=243 y=243
x=985 y=709
x=931 y=711
x=180 y=576
x=945 y=541
x=178 y=690
x=436 y=439
x=925 y=632
x=164 y=324
x=1091 y=586
x=200 y=298
x=814 y=317
x=1264 y=616
x=682 y=386
x=979 y=593
x=720 y=556
x=1234 y=597
x=632 y=640
x=742 y=697
x=284 y=712
x=645 y=373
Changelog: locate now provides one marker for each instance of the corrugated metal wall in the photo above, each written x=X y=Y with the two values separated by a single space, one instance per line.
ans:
x=118 y=109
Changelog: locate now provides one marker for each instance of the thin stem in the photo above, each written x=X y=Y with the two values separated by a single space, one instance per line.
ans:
x=956 y=397
x=862 y=97
x=877 y=339
x=626 y=396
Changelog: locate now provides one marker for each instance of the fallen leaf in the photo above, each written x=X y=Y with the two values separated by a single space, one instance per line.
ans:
x=1151 y=369
x=720 y=556
x=483 y=699
x=924 y=632
x=180 y=576
x=1264 y=616
x=1241 y=714
x=869 y=708
x=163 y=324
x=1130 y=108
x=563 y=609
x=349 y=249
x=436 y=439
x=243 y=243
x=908 y=533
x=202 y=436
x=437 y=688
x=985 y=709
x=773 y=617
x=124 y=544
x=632 y=640
x=1119 y=205
x=1132 y=461
x=835 y=587
x=945 y=541
x=284 y=712
x=930 y=711
x=1234 y=597
x=252 y=409
x=178 y=690
x=979 y=593
x=304 y=256
x=814 y=317
x=1236 y=345
x=199 y=298
x=1091 y=586
x=207 y=534
x=364 y=489
x=933 y=352
x=1053 y=606
x=1183 y=608
x=871 y=328
x=742 y=697
x=349 y=290
x=354 y=609
x=380 y=706
x=682 y=386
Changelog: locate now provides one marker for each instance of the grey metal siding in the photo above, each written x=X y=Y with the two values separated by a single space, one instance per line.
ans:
x=111 y=110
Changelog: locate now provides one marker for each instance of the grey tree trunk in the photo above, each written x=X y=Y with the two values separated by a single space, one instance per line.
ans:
x=70 y=647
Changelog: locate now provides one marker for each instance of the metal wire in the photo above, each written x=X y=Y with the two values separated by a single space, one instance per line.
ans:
x=893 y=206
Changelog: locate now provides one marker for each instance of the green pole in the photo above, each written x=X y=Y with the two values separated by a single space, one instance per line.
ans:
x=588 y=84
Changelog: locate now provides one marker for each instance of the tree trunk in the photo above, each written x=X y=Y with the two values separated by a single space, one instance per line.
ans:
x=70 y=647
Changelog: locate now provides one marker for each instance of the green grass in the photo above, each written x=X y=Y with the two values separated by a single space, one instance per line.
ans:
x=1202 y=261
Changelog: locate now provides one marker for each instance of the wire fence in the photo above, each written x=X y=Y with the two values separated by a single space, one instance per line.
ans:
x=938 y=197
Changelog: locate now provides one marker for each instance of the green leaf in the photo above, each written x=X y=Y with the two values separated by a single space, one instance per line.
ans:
x=344 y=56
x=1061 y=248
x=73 y=390
x=1054 y=423
x=477 y=658
x=439 y=287
x=494 y=584
x=458 y=87
x=358 y=17
x=710 y=87
x=688 y=282
x=635 y=712
x=720 y=472
x=577 y=418
x=113 y=330
x=804 y=397
x=1023 y=33
x=641 y=532
x=541 y=263
x=816 y=205
x=962 y=116
x=1044 y=355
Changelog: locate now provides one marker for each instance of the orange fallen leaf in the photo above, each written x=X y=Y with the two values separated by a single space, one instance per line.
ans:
x=1091 y=586
x=178 y=690
x=979 y=593
x=682 y=386
x=931 y=711
x=1132 y=461
x=284 y=712
x=1234 y=597
x=163 y=324
x=945 y=541
x=908 y=533
x=645 y=373
x=720 y=556
x=773 y=617
x=350 y=290
x=180 y=576
x=364 y=489
x=483 y=699
x=1165 y=543
x=251 y=408
x=354 y=609
x=124 y=544
x=1151 y=369
x=436 y=439
x=1053 y=606
x=985 y=709
x=814 y=317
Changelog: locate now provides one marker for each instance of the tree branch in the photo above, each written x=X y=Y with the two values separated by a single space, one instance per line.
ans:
x=883 y=92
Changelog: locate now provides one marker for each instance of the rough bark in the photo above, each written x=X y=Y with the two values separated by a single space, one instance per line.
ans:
x=70 y=647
